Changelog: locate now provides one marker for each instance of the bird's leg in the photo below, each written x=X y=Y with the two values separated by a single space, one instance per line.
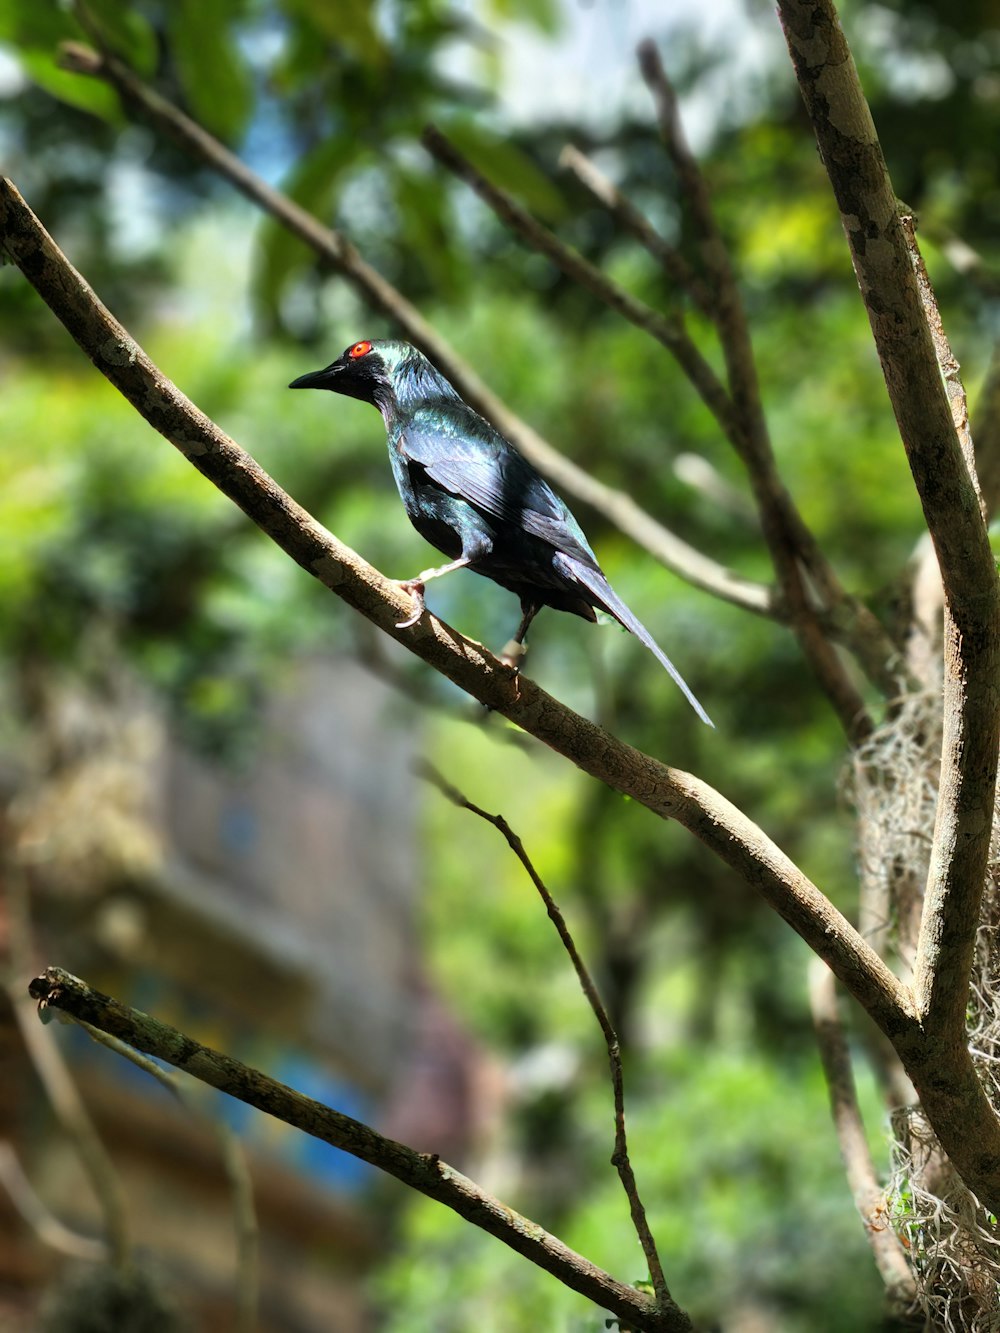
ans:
x=415 y=587
x=514 y=649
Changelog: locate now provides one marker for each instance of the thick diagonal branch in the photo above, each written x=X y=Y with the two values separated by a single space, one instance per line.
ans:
x=635 y=222
x=421 y=1171
x=668 y=792
x=853 y=158
x=952 y=1095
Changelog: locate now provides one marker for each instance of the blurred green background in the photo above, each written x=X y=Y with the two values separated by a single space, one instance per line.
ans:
x=113 y=548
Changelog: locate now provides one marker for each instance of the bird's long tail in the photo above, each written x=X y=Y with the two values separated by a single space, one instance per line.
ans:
x=608 y=600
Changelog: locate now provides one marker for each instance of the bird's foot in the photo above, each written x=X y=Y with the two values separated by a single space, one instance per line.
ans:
x=512 y=654
x=415 y=588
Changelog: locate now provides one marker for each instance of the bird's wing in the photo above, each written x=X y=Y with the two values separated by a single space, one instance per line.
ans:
x=465 y=456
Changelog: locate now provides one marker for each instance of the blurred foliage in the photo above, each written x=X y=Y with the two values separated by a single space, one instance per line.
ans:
x=107 y=536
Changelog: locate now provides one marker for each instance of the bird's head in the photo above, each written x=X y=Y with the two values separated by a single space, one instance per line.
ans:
x=382 y=372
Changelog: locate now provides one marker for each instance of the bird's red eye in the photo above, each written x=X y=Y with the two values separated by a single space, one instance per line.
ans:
x=359 y=349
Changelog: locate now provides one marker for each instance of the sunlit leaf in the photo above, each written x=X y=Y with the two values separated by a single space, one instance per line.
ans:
x=346 y=23
x=88 y=94
x=542 y=14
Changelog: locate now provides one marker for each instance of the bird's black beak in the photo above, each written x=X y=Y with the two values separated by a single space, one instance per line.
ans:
x=318 y=379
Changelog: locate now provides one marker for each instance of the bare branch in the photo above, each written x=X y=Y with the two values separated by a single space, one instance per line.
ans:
x=853 y=157
x=869 y=1196
x=946 y=359
x=944 y=1075
x=619 y=1158
x=668 y=792
x=669 y=330
x=421 y=1171
x=46 y=1226
x=633 y=221
x=788 y=537
x=618 y=508
x=60 y=1087
x=234 y=1163
x=729 y=316
x=773 y=500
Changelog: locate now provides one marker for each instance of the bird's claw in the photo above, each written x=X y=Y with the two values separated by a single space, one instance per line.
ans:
x=416 y=590
x=512 y=654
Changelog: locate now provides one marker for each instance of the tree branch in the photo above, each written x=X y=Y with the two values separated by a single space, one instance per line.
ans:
x=633 y=221
x=850 y=621
x=668 y=330
x=773 y=499
x=668 y=792
x=617 y=507
x=788 y=536
x=60 y=1087
x=421 y=1171
x=946 y=360
x=869 y=1196
x=246 y=1233
x=952 y=1096
x=853 y=158
x=619 y=1158
x=37 y=1215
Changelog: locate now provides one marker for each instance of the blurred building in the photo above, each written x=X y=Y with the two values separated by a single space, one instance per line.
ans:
x=269 y=911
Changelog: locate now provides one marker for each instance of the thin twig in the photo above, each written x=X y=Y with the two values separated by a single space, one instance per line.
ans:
x=987 y=434
x=668 y=330
x=789 y=538
x=57 y=1080
x=619 y=1158
x=671 y=332
x=425 y=1172
x=869 y=1196
x=43 y=1222
x=729 y=316
x=633 y=220
x=234 y=1162
x=336 y=250
x=946 y=359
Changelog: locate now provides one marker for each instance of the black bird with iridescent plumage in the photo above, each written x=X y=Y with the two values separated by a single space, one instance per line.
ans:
x=469 y=492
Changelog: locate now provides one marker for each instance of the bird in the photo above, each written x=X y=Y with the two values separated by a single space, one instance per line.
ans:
x=474 y=497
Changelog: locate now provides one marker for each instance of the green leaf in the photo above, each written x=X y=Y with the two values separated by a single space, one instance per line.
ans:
x=346 y=23
x=422 y=205
x=88 y=94
x=542 y=14
x=212 y=72
x=126 y=33
x=314 y=185
x=507 y=166
x=42 y=25
x=35 y=31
